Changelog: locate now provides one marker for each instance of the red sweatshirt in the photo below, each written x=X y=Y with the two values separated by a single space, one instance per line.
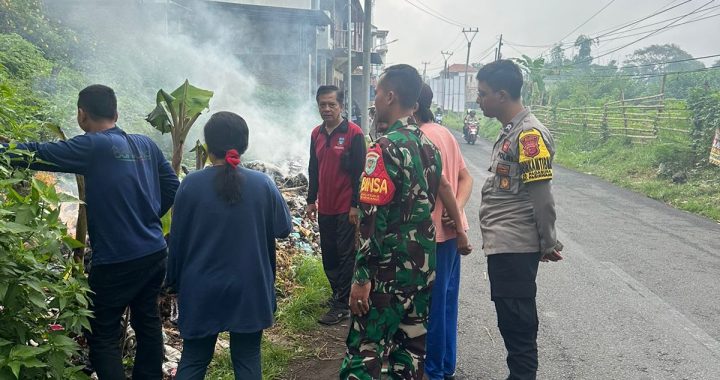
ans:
x=336 y=164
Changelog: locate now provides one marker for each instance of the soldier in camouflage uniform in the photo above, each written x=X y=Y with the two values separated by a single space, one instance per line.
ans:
x=394 y=267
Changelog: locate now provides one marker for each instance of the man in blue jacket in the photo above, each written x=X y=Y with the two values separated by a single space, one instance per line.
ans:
x=129 y=186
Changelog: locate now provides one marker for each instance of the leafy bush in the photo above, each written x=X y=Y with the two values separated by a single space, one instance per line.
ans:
x=705 y=108
x=27 y=18
x=19 y=108
x=43 y=293
x=21 y=58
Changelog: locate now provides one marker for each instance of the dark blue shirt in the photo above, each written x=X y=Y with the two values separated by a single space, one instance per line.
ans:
x=129 y=186
x=222 y=256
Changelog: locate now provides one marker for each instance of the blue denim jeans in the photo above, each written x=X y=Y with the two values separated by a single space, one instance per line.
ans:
x=442 y=328
x=244 y=353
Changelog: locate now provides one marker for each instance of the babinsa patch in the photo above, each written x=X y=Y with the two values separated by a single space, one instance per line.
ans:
x=376 y=187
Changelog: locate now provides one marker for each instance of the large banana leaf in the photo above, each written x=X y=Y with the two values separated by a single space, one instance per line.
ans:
x=162 y=117
x=190 y=101
x=175 y=113
x=179 y=108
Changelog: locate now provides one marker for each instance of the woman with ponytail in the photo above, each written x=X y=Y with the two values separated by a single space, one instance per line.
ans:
x=222 y=253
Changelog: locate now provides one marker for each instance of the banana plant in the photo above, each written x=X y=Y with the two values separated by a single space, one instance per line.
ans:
x=176 y=112
x=535 y=71
x=201 y=155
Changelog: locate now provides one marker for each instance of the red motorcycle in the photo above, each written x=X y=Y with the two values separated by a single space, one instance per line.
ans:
x=471 y=133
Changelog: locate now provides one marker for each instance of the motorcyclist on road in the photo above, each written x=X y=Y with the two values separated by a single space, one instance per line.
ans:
x=470 y=118
x=439 y=115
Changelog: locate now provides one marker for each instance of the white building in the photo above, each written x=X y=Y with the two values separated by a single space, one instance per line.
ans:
x=453 y=90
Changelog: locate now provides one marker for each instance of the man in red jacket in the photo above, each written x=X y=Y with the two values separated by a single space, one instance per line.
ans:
x=337 y=158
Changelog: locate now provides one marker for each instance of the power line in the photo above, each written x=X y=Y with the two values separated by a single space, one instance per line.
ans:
x=644 y=18
x=649 y=64
x=437 y=16
x=588 y=20
x=457 y=36
x=706 y=11
x=672 y=27
x=488 y=51
x=700 y=18
x=437 y=12
x=641 y=38
x=625 y=24
x=612 y=30
x=513 y=47
x=594 y=78
x=661 y=10
x=619 y=29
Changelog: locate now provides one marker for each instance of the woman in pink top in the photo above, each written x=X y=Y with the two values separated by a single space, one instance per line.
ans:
x=442 y=329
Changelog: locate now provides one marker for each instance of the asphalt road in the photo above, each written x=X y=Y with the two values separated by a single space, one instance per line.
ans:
x=637 y=296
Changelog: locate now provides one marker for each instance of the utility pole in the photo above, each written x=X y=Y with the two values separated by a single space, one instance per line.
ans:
x=425 y=70
x=367 y=47
x=446 y=55
x=498 y=56
x=349 y=64
x=467 y=60
x=452 y=92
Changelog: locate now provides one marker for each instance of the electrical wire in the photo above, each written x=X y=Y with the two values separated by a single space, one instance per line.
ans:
x=643 y=19
x=437 y=12
x=439 y=17
x=648 y=64
x=608 y=31
x=636 y=76
x=674 y=26
x=656 y=31
x=588 y=20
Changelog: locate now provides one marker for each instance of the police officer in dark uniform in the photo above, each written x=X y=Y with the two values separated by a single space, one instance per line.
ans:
x=517 y=214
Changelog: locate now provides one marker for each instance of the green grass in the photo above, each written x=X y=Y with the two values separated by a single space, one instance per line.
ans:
x=635 y=167
x=297 y=313
x=453 y=121
x=302 y=309
x=489 y=128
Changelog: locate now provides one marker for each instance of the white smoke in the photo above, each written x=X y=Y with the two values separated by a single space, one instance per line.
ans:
x=136 y=53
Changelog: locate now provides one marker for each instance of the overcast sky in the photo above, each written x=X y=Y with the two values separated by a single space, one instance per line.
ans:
x=421 y=36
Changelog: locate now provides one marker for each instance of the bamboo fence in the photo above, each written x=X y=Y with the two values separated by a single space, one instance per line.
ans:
x=640 y=119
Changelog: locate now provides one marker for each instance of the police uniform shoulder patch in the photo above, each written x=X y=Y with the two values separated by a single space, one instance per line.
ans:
x=376 y=186
x=535 y=161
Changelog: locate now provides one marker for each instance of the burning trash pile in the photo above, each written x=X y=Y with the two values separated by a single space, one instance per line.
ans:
x=305 y=238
